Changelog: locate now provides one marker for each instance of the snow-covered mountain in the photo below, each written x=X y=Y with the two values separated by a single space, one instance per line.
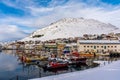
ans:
x=71 y=27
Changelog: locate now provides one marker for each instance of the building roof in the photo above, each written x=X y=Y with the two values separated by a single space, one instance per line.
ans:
x=99 y=41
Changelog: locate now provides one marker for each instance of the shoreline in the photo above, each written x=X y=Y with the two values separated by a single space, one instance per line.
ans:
x=107 y=72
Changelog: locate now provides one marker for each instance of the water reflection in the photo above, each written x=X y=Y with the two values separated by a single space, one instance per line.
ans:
x=7 y=62
x=11 y=68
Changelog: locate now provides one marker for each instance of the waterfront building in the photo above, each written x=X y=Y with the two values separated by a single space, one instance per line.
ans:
x=98 y=46
x=72 y=46
x=50 y=47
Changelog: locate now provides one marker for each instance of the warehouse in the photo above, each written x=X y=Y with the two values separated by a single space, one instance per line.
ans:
x=98 y=46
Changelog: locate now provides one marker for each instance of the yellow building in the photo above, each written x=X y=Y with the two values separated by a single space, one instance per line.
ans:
x=98 y=46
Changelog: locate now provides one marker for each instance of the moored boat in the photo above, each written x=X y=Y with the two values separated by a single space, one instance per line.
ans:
x=77 y=60
x=32 y=59
x=56 y=65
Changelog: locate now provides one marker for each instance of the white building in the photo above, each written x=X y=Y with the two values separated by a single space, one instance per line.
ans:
x=98 y=46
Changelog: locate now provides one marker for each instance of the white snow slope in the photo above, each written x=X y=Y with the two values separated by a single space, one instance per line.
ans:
x=72 y=27
x=108 y=72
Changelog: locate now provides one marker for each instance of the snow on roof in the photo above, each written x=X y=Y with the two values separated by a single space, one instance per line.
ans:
x=99 y=41
x=72 y=44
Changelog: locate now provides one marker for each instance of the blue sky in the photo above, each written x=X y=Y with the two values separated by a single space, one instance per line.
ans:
x=21 y=17
x=113 y=2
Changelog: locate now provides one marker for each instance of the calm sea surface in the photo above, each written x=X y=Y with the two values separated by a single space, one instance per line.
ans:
x=11 y=68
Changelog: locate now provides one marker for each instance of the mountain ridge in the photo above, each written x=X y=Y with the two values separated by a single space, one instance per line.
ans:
x=71 y=27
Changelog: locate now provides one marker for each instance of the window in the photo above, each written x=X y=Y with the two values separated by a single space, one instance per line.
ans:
x=94 y=47
x=84 y=46
x=97 y=46
x=87 y=46
x=91 y=46
x=101 y=46
x=115 y=46
x=111 y=46
x=104 y=47
x=108 y=46
x=102 y=50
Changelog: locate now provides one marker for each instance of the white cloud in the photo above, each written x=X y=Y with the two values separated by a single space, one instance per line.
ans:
x=19 y=4
x=105 y=13
x=36 y=11
x=42 y=16
x=18 y=21
x=10 y=32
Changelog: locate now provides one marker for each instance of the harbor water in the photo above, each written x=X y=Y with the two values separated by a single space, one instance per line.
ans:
x=11 y=68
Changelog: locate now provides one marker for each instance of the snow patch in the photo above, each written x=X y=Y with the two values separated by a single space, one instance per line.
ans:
x=72 y=27
x=107 y=72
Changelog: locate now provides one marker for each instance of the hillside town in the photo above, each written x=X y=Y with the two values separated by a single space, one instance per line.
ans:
x=71 y=44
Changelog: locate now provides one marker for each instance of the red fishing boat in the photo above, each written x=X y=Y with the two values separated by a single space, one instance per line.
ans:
x=56 y=65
